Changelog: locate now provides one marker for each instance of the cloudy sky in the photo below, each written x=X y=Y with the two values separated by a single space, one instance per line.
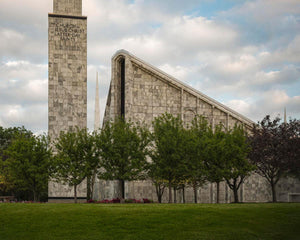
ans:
x=245 y=54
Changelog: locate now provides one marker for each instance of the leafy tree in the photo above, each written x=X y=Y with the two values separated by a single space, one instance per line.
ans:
x=91 y=158
x=215 y=157
x=236 y=162
x=76 y=158
x=28 y=162
x=167 y=154
x=156 y=176
x=123 y=152
x=275 y=149
x=196 y=154
x=290 y=146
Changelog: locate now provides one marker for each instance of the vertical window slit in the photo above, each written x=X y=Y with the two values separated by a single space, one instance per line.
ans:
x=122 y=64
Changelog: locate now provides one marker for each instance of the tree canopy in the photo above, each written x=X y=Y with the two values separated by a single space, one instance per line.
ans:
x=27 y=165
x=275 y=149
x=123 y=152
x=75 y=158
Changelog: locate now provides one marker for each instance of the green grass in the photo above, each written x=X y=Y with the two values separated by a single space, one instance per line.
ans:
x=149 y=221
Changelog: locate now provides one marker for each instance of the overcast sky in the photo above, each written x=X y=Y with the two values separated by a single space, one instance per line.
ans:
x=245 y=54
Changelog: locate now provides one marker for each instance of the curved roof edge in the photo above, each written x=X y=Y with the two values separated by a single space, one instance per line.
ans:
x=168 y=76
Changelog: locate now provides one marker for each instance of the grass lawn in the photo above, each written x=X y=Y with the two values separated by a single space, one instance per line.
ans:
x=149 y=221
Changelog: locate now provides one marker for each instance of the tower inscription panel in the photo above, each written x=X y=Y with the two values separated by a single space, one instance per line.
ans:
x=67 y=74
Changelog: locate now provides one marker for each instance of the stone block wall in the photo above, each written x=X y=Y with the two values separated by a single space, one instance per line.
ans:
x=68 y=7
x=67 y=85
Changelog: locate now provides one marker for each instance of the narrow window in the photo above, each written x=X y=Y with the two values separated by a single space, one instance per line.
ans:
x=122 y=64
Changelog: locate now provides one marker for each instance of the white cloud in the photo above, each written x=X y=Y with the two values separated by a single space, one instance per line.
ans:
x=271 y=103
x=262 y=10
x=33 y=117
x=22 y=82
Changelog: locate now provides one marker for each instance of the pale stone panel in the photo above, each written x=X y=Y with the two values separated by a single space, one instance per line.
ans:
x=67 y=7
x=189 y=100
x=256 y=189
x=288 y=190
x=173 y=97
x=60 y=190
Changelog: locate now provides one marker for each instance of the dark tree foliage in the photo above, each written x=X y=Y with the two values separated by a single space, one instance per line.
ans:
x=28 y=160
x=275 y=149
x=124 y=150
x=167 y=154
x=7 y=187
x=290 y=145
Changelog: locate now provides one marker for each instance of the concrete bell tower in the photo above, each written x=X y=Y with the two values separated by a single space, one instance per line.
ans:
x=67 y=72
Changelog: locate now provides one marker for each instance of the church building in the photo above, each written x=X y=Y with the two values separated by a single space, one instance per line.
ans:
x=140 y=92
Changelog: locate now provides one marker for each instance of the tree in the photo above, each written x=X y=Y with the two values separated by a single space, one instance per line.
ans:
x=123 y=152
x=275 y=149
x=156 y=176
x=236 y=162
x=167 y=153
x=76 y=158
x=195 y=153
x=91 y=157
x=290 y=145
x=28 y=162
x=215 y=157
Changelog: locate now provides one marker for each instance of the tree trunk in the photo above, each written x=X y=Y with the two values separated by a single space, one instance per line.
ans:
x=122 y=185
x=92 y=185
x=170 y=192
x=35 y=196
x=236 y=195
x=218 y=192
x=88 y=188
x=183 y=194
x=75 y=193
x=273 y=186
x=174 y=189
x=159 y=195
x=159 y=192
x=159 y=198
x=195 y=193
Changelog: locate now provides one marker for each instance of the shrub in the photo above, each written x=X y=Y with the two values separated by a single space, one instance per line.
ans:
x=146 y=200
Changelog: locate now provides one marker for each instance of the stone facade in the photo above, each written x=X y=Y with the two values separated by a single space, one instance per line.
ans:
x=148 y=93
x=67 y=85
